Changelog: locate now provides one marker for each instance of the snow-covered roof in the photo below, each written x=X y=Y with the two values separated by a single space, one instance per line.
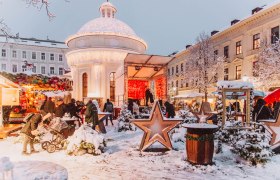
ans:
x=234 y=84
x=107 y=25
x=33 y=42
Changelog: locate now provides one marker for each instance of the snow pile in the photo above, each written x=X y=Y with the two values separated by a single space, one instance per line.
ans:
x=85 y=140
x=178 y=134
x=249 y=143
x=234 y=84
x=124 y=120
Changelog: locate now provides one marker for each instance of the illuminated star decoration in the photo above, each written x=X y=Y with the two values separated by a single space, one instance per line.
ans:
x=156 y=128
x=274 y=129
x=202 y=116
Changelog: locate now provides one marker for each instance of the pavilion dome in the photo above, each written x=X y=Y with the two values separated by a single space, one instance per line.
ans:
x=106 y=25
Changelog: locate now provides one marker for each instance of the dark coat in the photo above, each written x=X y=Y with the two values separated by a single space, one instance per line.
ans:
x=72 y=109
x=60 y=110
x=261 y=111
x=31 y=125
x=105 y=107
x=91 y=114
x=49 y=107
x=170 y=110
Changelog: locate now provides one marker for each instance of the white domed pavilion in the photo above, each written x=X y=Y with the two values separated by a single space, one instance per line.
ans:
x=97 y=51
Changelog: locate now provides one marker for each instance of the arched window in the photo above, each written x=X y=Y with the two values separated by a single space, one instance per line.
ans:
x=112 y=86
x=85 y=85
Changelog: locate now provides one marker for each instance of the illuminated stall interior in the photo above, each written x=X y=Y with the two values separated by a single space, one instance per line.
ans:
x=143 y=71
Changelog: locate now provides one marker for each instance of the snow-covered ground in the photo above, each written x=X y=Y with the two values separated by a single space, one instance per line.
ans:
x=122 y=160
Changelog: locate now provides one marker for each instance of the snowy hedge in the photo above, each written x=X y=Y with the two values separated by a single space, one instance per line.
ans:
x=85 y=140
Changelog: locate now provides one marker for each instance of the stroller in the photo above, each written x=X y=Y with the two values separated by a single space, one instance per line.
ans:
x=60 y=131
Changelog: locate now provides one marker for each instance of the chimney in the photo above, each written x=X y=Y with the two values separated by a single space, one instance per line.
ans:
x=214 y=32
x=257 y=9
x=187 y=46
x=234 y=21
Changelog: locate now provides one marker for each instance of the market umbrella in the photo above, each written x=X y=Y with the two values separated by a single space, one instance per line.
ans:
x=189 y=95
x=274 y=96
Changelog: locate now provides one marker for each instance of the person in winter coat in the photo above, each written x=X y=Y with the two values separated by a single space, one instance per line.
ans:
x=91 y=114
x=170 y=110
x=136 y=108
x=109 y=107
x=61 y=109
x=147 y=96
x=29 y=132
x=130 y=106
x=261 y=111
x=73 y=109
x=49 y=107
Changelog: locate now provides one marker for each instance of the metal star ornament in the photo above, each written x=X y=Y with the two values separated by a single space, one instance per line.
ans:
x=156 y=128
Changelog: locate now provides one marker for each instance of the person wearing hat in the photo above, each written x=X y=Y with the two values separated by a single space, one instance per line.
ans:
x=29 y=132
x=61 y=108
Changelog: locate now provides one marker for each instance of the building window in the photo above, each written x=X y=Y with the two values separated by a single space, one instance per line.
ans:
x=172 y=71
x=182 y=67
x=43 y=70
x=256 y=41
x=172 y=84
x=3 y=52
x=255 y=66
x=23 y=68
x=274 y=34
x=60 y=71
x=52 y=57
x=226 y=74
x=14 y=68
x=24 y=54
x=33 y=55
x=51 y=70
x=112 y=86
x=238 y=48
x=177 y=83
x=226 y=52
x=85 y=84
x=43 y=56
x=177 y=69
x=60 y=57
x=215 y=54
x=182 y=85
x=187 y=84
x=168 y=72
x=3 y=67
x=14 y=55
x=34 y=69
x=238 y=72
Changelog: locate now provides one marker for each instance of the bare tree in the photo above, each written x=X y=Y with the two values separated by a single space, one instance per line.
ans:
x=203 y=66
x=266 y=71
x=4 y=30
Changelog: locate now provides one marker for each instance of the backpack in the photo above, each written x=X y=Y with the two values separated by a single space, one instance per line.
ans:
x=109 y=107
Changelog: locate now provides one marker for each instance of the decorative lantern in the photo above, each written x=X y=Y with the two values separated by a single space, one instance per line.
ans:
x=6 y=169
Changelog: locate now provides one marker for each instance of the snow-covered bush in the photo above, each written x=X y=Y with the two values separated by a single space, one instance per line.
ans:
x=85 y=140
x=178 y=134
x=251 y=144
x=124 y=120
x=187 y=116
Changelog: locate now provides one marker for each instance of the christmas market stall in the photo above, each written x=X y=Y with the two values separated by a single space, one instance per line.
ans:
x=32 y=95
x=142 y=72
x=9 y=96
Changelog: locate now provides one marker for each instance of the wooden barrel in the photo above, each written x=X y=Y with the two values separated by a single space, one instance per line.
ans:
x=200 y=143
x=200 y=148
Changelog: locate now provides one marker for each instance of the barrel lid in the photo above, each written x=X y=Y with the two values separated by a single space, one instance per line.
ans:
x=200 y=126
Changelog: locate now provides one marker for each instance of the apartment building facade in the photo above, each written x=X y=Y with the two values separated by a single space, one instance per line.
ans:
x=46 y=56
x=239 y=45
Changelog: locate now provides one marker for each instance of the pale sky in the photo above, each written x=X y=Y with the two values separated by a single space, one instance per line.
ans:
x=166 y=25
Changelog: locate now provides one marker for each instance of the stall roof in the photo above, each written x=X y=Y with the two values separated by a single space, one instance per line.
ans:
x=145 y=66
x=6 y=83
